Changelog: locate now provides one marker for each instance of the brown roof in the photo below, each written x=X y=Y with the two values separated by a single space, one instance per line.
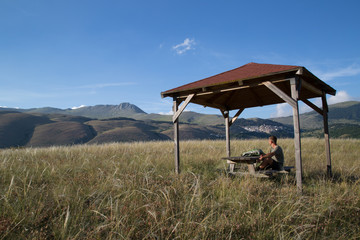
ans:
x=247 y=71
x=244 y=89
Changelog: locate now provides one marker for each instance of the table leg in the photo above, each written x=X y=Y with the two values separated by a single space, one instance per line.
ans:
x=232 y=167
x=251 y=168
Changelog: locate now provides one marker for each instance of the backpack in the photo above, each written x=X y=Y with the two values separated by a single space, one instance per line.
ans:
x=253 y=153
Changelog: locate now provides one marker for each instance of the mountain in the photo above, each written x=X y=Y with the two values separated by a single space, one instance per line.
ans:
x=98 y=111
x=51 y=126
x=340 y=113
x=185 y=117
x=35 y=129
x=127 y=110
x=44 y=110
x=107 y=111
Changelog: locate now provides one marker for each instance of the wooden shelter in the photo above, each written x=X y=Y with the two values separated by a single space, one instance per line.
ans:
x=254 y=85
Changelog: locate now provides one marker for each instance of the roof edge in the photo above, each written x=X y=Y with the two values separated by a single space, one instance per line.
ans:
x=171 y=91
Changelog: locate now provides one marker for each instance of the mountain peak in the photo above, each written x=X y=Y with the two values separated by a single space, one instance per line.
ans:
x=107 y=111
x=129 y=106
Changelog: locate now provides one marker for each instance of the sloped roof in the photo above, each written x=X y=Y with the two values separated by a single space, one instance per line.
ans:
x=241 y=87
x=247 y=71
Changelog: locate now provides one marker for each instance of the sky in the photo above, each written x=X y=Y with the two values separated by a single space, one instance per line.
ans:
x=67 y=54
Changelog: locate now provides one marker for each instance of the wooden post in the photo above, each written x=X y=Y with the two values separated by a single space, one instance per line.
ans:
x=227 y=133
x=227 y=136
x=297 y=140
x=293 y=101
x=326 y=135
x=176 y=137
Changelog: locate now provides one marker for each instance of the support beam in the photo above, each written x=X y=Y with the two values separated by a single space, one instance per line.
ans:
x=297 y=140
x=313 y=106
x=326 y=135
x=182 y=108
x=176 y=137
x=236 y=116
x=281 y=94
x=311 y=88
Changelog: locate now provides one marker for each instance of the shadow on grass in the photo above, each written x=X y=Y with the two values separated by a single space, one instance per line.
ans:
x=335 y=178
x=278 y=179
x=310 y=177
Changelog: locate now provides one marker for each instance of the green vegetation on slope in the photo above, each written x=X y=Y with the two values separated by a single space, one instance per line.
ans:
x=129 y=191
x=336 y=131
x=340 y=113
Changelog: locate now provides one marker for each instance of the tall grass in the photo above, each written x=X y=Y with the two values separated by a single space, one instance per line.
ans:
x=130 y=191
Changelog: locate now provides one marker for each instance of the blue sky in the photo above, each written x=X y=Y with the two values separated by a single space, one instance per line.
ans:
x=71 y=53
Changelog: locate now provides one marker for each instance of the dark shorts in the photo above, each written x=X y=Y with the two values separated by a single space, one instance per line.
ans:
x=276 y=166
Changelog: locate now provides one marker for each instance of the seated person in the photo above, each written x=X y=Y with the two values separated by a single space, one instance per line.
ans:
x=274 y=159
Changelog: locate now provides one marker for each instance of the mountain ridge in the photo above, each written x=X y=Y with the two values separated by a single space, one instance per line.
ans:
x=126 y=122
x=97 y=111
x=339 y=113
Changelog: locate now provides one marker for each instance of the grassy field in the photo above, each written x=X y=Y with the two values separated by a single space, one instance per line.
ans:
x=130 y=191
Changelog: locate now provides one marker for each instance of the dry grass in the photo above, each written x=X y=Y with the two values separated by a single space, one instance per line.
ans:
x=129 y=191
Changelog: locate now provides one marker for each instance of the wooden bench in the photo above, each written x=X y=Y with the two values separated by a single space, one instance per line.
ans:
x=288 y=168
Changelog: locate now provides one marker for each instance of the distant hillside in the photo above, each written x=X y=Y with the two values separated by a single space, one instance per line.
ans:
x=16 y=129
x=97 y=124
x=337 y=130
x=25 y=129
x=61 y=133
x=124 y=130
x=127 y=110
x=98 y=111
x=340 y=113
x=185 y=117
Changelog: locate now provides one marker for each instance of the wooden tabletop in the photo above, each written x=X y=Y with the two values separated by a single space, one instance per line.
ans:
x=241 y=159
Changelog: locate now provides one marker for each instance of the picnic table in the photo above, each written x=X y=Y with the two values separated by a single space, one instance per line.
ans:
x=250 y=162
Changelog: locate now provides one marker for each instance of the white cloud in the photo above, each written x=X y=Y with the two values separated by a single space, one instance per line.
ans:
x=282 y=110
x=352 y=70
x=9 y=107
x=167 y=113
x=81 y=106
x=303 y=108
x=185 y=46
x=171 y=112
x=104 y=85
x=341 y=96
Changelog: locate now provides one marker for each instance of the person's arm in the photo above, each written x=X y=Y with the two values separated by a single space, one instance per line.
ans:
x=268 y=155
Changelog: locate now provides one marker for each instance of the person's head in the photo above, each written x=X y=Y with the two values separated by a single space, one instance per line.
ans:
x=272 y=139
